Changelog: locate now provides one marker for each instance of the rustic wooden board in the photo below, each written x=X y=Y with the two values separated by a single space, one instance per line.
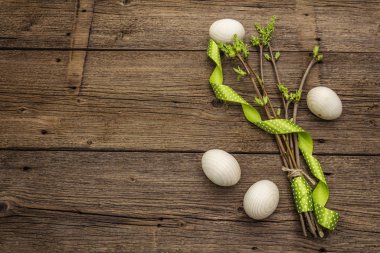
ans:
x=132 y=201
x=337 y=25
x=162 y=101
x=33 y=24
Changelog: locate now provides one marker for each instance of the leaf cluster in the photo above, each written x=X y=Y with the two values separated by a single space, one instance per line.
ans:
x=237 y=47
x=265 y=33
x=316 y=55
x=289 y=96
x=261 y=102
x=239 y=72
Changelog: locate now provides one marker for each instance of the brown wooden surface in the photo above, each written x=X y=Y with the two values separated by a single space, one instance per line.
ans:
x=99 y=201
x=105 y=111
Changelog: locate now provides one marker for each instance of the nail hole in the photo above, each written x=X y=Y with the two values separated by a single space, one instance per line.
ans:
x=322 y=249
x=158 y=225
x=43 y=131
x=328 y=173
x=254 y=248
x=321 y=140
x=126 y=2
x=72 y=87
x=217 y=103
x=318 y=39
x=84 y=10
x=133 y=179
x=89 y=142
x=372 y=122
x=22 y=109
x=26 y=168
x=306 y=14
x=68 y=34
x=161 y=219
x=58 y=60
x=240 y=209
x=3 y=206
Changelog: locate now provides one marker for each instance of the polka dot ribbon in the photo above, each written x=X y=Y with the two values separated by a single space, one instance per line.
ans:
x=305 y=198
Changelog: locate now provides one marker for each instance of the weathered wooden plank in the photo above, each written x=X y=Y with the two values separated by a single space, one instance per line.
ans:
x=117 y=201
x=80 y=36
x=37 y=24
x=336 y=25
x=162 y=101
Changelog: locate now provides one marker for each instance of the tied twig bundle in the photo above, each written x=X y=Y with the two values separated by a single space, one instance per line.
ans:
x=292 y=173
x=290 y=138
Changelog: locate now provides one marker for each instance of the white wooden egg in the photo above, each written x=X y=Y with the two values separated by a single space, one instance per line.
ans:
x=223 y=30
x=221 y=167
x=324 y=103
x=261 y=199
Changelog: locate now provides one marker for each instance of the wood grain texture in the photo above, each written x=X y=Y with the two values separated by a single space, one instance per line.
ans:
x=183 y=25
x=116 y=127
x=112 y=202
x=337 y=25
x=79 y=39
x=36 y=24
x=162 y=101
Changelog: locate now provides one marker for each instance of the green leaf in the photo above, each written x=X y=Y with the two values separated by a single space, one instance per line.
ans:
x=265 y=100
x=297 y=96
x=319 y=57
x=259 y=102
x=265 y=32
x=284 y=91
x=267 y=57
x=240 y=73
x=255 y=41
x=277 y=56
x=278 y=112
x=240 y=47
x=315 y=51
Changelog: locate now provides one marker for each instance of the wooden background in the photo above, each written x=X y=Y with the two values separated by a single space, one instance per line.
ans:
x=105 y=111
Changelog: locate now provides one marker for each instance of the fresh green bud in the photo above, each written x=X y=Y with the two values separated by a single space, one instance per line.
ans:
x=255 y=41
x=240 y=73
x=297 y=96
x=265 y=100
x=259 y=102
x=277 y=56
x=267 y=57
x=319 y=57
x=278 y=112
x=315 y=51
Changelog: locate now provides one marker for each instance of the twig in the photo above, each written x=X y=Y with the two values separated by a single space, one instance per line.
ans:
x=310 y=223
x=295 y=110
x=289 y=162
x=261 y=62
x=273 y=61
x=303 y=225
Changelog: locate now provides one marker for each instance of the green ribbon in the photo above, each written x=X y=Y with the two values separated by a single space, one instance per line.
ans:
x=305 y=198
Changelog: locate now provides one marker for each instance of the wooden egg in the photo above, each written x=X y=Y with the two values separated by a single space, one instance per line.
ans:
x=261 y=199
x=324 y=103
x=223 y=30
x=221 y=167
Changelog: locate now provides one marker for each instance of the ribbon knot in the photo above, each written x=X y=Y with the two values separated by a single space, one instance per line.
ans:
x=292 y=173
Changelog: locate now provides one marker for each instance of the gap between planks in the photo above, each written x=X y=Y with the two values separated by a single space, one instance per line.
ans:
x=164 y=151
x=89 y=49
